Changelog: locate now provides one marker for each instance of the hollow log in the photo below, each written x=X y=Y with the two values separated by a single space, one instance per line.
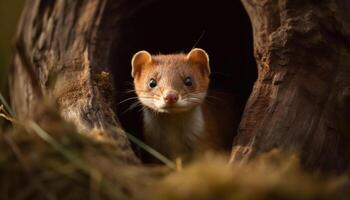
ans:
x=62 y=50
x=300 y=101
x=78 y=54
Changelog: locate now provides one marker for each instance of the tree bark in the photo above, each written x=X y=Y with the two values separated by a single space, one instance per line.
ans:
x=62 y=50
x=301 y=100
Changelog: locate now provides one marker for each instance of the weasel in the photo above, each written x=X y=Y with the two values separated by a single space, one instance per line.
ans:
x=177 y=119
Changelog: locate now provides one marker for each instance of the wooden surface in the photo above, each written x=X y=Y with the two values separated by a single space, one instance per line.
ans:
x=300 y=101
x=62 y=49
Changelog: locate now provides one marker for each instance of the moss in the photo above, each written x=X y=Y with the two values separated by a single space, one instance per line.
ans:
x=104 y=83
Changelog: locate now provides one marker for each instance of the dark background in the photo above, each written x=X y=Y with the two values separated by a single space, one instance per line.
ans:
x=223 y=29
x=9 y=13
x=176 y=26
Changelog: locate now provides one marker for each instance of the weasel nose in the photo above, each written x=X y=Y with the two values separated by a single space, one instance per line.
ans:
x=171 y=98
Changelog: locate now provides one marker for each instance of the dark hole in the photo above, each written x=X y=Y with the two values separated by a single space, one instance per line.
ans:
x=175 y=26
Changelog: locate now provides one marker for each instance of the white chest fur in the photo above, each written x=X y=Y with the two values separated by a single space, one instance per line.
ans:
x=173 y=134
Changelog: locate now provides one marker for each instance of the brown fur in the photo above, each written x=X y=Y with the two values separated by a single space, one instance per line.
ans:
x=194 y=124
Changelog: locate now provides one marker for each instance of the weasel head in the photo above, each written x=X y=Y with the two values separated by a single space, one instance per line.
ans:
x=171 y=83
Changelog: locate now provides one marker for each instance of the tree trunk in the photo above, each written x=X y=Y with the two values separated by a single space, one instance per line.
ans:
x=62 y=49
x=301 y=100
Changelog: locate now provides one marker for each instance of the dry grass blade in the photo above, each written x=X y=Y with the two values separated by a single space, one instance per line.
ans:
x=36 y=183
x=7 y=117
x=94 y=173
x=4 y=114
x=46 y=137
x=152 y=151
x=7 y=106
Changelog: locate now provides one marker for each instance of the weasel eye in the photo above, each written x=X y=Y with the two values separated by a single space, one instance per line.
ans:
x=188 y=81
x=152 y=83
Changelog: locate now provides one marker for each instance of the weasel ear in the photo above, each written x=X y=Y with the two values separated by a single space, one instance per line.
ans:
x=199 y=56
x=138 y=60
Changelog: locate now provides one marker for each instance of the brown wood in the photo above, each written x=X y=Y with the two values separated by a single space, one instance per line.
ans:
x=300 y=101
x=62 y=49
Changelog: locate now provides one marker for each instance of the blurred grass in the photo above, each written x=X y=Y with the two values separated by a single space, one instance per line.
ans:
x=10 y=11
x=50 y=160
x=59 y=163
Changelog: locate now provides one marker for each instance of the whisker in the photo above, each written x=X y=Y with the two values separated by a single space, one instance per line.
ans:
x=141 y=109
x=146 y=97
x=154 y=98
x=192 y=101
x=193 y=98
x=131 y=91
x=195 y=92
x=142 y=91
x=199 y=100
x=128 y=99
x=213 y=98
x=190 y=96
x=132 y=106
x=137 y=97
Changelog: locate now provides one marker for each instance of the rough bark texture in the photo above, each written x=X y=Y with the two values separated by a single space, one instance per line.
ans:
x=301 y=100
x=62 y=47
